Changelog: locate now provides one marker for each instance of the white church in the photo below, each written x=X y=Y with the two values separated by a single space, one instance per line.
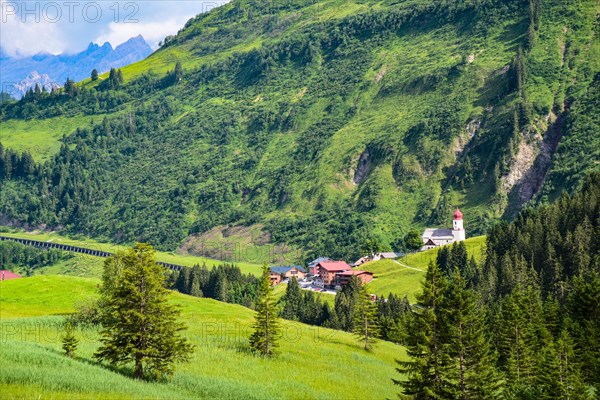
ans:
x=435 y=237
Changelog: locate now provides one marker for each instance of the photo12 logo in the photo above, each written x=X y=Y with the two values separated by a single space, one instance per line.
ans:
x=69 y=11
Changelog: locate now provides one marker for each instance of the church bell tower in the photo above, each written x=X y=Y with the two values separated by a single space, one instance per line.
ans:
x=458 y=231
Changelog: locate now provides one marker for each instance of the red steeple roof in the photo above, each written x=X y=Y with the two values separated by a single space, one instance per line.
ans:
x=457 y=214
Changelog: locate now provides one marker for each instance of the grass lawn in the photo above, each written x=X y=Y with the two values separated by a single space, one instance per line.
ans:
x=390 y=277
x=32 y=365
x=168 y=257
x=475 y=247
x=404 y=275
x=41 y=137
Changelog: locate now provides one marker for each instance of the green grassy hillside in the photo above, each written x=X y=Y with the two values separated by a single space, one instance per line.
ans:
x=324 y=123
x=314 y=362
x=404 y=276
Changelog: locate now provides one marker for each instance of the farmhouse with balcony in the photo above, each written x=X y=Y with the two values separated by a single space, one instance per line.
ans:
x=283 y=272
x=343 y=278
x=312 y=266
x=327 y=270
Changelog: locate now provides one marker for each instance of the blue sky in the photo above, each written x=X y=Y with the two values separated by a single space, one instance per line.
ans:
x=68 y=26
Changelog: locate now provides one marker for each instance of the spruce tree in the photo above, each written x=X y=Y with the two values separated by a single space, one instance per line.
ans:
x=521 y=330
x=558 y=374
x=293 y=300
x=139 y=325
x=583 y=308
x=474 y=362
x=428 y=371
x=69 y=341
x=345 y=301
x=365 y=321
x=195 y=282
x=94 y=75
x=264 y=339
x=113 y=80
x=182 y=284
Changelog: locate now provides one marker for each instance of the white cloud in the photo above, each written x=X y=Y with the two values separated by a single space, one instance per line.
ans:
x=20 y=39
x=77 y=25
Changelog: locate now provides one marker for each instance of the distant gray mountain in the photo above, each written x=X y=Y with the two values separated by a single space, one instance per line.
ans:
x=18 y=73
x=44 y=81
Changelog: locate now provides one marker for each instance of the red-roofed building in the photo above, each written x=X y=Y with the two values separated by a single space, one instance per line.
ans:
x=342 y=278
x=328 y=269
x=6 y=275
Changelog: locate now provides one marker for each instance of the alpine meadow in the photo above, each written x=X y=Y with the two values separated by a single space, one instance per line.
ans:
x=308 y=199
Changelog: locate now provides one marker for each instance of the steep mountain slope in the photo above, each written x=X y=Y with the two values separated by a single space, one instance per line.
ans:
x=324 y=123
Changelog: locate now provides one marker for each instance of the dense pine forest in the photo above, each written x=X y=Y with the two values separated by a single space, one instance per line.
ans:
x=526 y=323
x=322 y=124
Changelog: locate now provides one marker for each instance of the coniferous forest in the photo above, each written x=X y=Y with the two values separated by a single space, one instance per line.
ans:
x=525 y=324
x=521 y=323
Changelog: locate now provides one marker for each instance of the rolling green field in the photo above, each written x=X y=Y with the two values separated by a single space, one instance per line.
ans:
x=168 y=257
x=314 y=362
x=403 y=276
x=42 y=137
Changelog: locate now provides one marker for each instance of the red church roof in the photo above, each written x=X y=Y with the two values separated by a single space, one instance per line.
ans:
x=6 y=275
x=457 y=214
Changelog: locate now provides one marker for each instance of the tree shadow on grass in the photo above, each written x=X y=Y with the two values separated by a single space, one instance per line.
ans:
x=123 y=370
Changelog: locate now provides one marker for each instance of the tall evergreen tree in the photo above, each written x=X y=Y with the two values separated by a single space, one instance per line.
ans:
x=293 y=300
x=583 y=307
x=178 y=72
x=521 y=332
x=195 y=282
x=474 y=369
x=365 y=321
x=138 y=324
x=428 y=371
x=265 y=337
x=182 y=284
x=558 y=375
x=345 y=301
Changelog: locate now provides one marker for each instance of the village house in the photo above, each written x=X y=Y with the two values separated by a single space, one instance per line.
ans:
x=312 y=266
x=343 y=278
x=327 y=270
x=6 y=275
x=435 y=237
x=280 y=273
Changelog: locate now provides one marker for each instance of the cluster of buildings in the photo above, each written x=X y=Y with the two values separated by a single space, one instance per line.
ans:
x=330 y=274
x=324 y=273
